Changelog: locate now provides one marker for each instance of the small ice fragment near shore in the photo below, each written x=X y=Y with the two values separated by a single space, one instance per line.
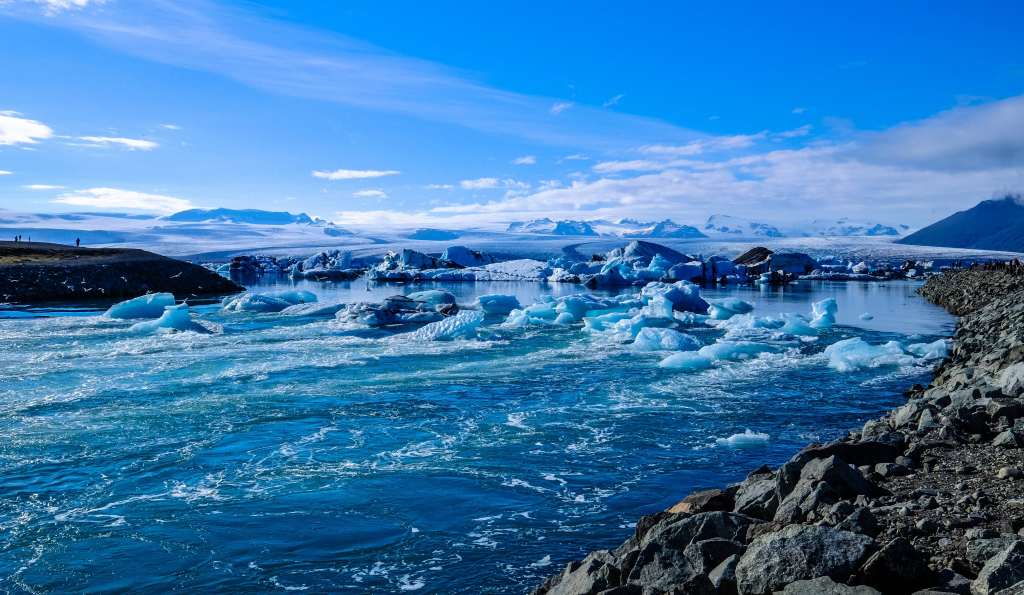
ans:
x=496 y=303
x=174 y=318
x=934 y=350
x=824 y=313
x=267 y=302
x=745 y=438
x=687 y=361
x=664 y=339
x=462 y=325
x=867 y=316
x=853 y=354
x=150 y=305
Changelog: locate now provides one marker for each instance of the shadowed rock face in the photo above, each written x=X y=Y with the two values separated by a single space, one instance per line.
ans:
x=926 y=499
x=37 y=273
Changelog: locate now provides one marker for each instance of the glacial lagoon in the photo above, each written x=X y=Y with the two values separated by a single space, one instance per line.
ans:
x=289 y=453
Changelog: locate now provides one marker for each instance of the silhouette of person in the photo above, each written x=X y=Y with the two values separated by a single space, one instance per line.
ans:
x=78 y=242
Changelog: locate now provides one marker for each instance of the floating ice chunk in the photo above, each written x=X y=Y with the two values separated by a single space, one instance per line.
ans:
x=853 y=354
x=725 y=309
x=565 y=318
x=734 y=350
x=150 y=305
x=496 y=303
x=797 y=325
x=312 y=309
x=867 y=316
x=744 y=438
x=824 y=313
x=462 y=325
x=664 y=339
x=630 y=327
x=604 y=322
x=174 y=318
x=432 y=298
x=687 y=361
x=658 y=307
x=685 y=296
x=267 y=302
x=934 y=350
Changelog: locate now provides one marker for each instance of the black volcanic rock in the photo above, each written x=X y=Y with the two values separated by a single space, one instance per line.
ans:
x=990 y=225
x=37 y=272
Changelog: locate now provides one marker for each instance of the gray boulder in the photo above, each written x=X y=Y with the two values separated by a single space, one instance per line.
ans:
x=825 y=586
x=1002 y=571
x=798 y=552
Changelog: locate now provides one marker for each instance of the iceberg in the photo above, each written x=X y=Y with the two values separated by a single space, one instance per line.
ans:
x=744 y=438
x=734 y=350
x=267 y=302
x=935 y=350
x=725 y=309
x=433 y=298
x=150 y=305
x=684 y=295
x=867 y=316
x=312 y=309
x=796 y=324
x=854 y=354
x=463 y=256
x=664 y=339
x=174 y=318
x=824 y=313
x=687 y=361
x=496 y=303
x=461 y=326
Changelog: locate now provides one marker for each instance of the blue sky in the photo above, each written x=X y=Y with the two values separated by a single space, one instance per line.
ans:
x=410 y=113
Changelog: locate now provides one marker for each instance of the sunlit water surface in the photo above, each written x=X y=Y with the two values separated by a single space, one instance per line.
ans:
x=289 y=454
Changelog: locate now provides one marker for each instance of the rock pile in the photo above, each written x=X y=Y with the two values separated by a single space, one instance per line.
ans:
x=927 y=499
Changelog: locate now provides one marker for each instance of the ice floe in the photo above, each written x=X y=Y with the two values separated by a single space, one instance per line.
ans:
x=150 y=305
x=174 y=318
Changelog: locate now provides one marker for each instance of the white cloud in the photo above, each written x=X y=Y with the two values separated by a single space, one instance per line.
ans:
x=56 y=6
x=796 y=132
x=354 y=174
x=708 y=145
x=440 y=186
x=799 y=110
x=42 y=187
x=560 y=106
x=479 y=184
x=4 y=172
x=612 y=167
x=576 y=157
x=613 y=101
x=525 y=160
x=170 y=126
x=16 y=130
x=115 y=198
x=370 y=193
x=134 y=144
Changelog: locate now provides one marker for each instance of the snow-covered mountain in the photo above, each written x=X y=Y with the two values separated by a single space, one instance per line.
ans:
x=846 y=227
x=667 y=229
x=996 y=224
x=566 y=227
x=251 y=216
x=732 y=226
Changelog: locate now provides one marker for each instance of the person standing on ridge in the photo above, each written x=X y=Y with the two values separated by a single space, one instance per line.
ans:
x=78 y=242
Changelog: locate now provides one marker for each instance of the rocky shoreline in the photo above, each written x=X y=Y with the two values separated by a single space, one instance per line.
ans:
x=32 y=273
x=927 y=499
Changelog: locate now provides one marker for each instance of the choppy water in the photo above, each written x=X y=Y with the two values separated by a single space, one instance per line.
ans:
x=291 y=455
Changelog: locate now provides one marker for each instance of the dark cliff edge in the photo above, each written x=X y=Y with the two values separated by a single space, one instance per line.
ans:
x=33 y=273
x=927 y=499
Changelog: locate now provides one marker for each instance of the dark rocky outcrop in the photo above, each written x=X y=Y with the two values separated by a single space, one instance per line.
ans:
x=37 y=273
x=927 y=499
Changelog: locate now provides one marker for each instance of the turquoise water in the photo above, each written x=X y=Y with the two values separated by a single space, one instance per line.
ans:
x=291 y=454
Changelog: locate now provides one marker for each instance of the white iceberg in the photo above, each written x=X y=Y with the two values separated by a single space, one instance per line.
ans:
x=935 y=350
x=461 y=326
x=267 y=302
x=726 y=308
x=683 y=295
x=174 y=318
x=854 y=354
x=496 y=303
x=664 y=339
x=824 y=313
x=687 y=361
x=744 y=438
x=734 y=350
x=150 y=305
x=312 y=309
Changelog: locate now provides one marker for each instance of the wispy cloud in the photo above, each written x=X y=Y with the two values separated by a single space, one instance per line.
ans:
x=42 y=187
x=613 y=101
x=15 y=129
x=53 y=7
x=440 y=186
x=795 y=133
x=560 y=106
x=291 y=60
x=170 y=126
x=116 y=198
x=4 y=172
x=479 y=184
x=799 y=110
x=370 y=193
x=354 y=174
x=525 y=160
x=133 y=144
x=712 y=144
